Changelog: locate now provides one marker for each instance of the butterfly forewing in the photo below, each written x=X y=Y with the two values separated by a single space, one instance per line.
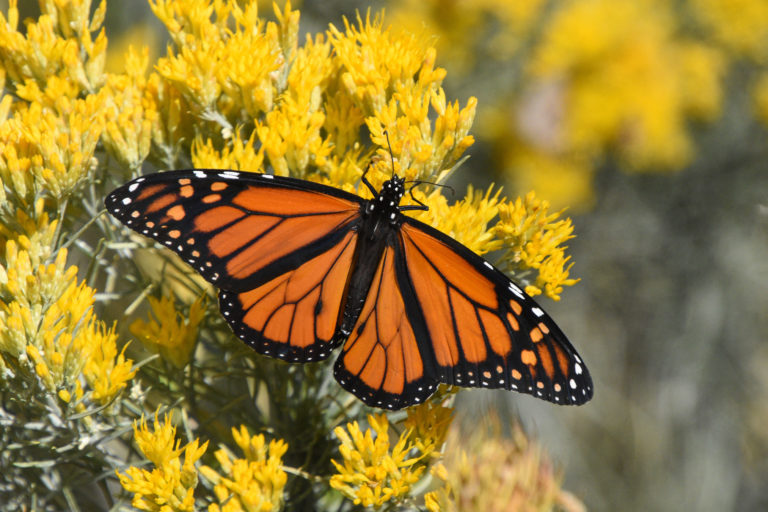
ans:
x=483 y=329
x=237 y=229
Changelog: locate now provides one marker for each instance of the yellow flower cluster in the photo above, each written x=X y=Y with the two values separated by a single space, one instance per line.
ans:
x=466 y=220
x=47 y=152
x=170 y=485
x=461 y=27
x=629 y=82
x=533 y=238
x=131 y=112
x=393 y=81
x=581 y=81
x=212 y=70
x=490 y=473
x=373 y=472
x=253 y=483
x=739 y=25
x=306 y=106
x=59 y=45
x=47 y=142
x=168 y=332
x=47 y=326
x=47 y=145
x=429 y=423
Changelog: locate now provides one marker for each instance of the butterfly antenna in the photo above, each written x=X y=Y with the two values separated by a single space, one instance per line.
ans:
x=416 y=183
x=391 y=156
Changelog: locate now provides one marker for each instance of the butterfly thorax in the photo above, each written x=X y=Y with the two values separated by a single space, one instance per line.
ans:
x=385 y=207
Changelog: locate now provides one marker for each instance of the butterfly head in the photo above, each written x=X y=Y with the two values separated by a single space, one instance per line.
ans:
x=393 y=189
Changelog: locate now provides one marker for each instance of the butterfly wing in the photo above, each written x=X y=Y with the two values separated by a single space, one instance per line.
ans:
x=279 y=249
x=381 y=362
x=482 y=329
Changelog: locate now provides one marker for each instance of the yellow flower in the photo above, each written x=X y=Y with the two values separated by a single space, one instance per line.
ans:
x=58 y=43
x=48 y=327
x=170 y=486
x=465 y=220
x=484 y=472
x=238 y=155
x=374 y=472
x=49 y=153
x=374 y=61
x=533 y=239
x=33 y=228
x=168 y=332
x=218 y=68
x=130 y=112
x=291 y=132
x=253 y=483
x=291 y=137
x=430 y=423
x=106 y=371
x=740 y=25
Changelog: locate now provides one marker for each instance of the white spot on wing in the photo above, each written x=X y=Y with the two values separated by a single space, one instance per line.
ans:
x=517 y=291
x=572 y=383
x=200 y=174
x=488 y=265
x=267 y=176
x=133 y=187
x=229 y=174
x=578 y=369
x=537 y=311
x=126 y=200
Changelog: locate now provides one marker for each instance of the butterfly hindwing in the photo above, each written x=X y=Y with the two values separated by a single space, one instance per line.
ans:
x=382 y=362
x=483 y=329
x=295 y=315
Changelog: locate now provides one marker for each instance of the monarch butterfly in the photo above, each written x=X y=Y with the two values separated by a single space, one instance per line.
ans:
x=302 y=268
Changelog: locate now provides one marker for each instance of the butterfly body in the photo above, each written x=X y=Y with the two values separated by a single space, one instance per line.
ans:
x=303 y=268
x=379 y=218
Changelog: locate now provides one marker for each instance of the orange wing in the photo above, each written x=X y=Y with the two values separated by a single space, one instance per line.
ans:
x=238 y=229
x=381 y=362
x=279 y=249
x=482 y=329
x=295 y=315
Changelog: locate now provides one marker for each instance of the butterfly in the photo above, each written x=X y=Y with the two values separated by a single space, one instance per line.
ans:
x=303 y=268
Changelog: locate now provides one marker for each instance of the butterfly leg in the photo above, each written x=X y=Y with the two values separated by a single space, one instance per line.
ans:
x=368 y=183
x=419 y=206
